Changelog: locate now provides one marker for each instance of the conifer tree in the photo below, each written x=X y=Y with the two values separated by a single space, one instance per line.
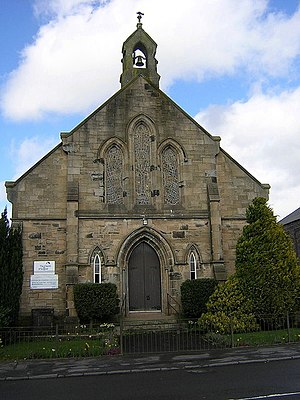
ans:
x=228 y=309
x=11 y=271
x=266 y=262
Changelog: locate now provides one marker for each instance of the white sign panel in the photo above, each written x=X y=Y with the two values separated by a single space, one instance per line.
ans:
x=44 y=267
x=43 y=281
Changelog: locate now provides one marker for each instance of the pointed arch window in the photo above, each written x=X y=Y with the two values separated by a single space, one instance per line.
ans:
x=114 y=175
x=170 y=176
x=193 y=265
x=142 y=156
x=97 y=269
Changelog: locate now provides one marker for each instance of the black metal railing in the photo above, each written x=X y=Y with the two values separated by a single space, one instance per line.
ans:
x=134 y=337
x=173 y=304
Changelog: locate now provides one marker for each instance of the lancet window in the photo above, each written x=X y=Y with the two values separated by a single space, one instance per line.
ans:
x=97 y=269
x=96 y=265
x=193 y=265
x=170 y=176
x=142 y=157
x=114 y=175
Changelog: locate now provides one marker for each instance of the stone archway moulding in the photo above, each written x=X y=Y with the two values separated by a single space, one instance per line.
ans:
x=154 y=239
x=164 y=253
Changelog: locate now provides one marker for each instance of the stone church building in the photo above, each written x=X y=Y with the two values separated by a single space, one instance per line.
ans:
x=138 y=194
x=291 y=224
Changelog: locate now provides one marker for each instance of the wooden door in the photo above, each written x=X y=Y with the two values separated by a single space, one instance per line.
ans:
x=144 y=279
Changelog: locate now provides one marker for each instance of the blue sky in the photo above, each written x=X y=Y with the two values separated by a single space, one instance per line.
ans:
x=233 y=65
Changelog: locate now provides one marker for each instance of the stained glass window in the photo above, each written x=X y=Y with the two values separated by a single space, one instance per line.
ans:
x=114 y=175
x=170 y=176
x=142 y=142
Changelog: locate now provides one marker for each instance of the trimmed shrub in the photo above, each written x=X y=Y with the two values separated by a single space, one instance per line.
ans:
x=96 y=302
x=195 y=294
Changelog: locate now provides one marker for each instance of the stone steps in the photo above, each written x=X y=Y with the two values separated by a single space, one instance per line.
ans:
x=150 y=321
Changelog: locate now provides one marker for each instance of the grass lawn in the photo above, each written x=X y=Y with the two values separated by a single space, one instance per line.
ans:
x=266 y=337
x=89 y=346
x=59 y=348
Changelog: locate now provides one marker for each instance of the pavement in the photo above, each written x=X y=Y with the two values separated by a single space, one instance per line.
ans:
x=126 y=364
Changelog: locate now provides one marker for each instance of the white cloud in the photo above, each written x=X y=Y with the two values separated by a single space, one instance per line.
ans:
x=262 y=134
x=73 y=63
x=61 y=8
x=25 y=154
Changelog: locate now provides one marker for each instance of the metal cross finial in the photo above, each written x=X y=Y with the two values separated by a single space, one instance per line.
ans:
x=140 y=15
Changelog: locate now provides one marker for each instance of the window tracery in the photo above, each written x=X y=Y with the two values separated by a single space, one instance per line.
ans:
x=170 y=176
x=114 y=175
x=142 y=149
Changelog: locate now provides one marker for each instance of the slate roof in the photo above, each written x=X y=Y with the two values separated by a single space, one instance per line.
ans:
x=294 y=216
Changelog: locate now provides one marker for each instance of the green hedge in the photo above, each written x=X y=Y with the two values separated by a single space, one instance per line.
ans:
x=96 y=301
x=195 y=294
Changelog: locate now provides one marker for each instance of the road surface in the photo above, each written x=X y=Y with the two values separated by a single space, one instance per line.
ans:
x=276 y=380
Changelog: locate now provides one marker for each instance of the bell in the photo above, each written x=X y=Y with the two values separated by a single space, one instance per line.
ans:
x=139 y=61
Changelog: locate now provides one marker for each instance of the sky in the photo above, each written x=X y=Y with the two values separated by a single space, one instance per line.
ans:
x=233 y=65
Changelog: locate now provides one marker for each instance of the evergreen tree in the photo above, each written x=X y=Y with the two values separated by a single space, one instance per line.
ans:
x=11 y=271
x=266 y=263
x=228 y=309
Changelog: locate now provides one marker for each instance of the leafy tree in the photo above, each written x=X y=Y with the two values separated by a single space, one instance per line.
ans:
x=266 y=263
x=11 y=271
x=228 y=309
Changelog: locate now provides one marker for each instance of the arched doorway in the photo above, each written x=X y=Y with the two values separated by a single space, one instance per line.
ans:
x=144 y=280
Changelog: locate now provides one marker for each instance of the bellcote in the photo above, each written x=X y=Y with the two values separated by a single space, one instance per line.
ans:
x=139 y=57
